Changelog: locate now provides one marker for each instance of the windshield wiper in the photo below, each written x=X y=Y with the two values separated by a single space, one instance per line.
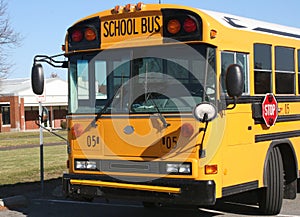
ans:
x=100 y=113
x=160 y=115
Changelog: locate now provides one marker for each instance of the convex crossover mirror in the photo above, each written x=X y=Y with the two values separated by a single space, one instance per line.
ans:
x=205 y=112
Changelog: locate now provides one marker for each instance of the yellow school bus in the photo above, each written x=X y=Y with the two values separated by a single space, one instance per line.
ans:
x=176 y=105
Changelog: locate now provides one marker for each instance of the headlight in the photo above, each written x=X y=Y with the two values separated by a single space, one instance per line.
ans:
x=179 y=168
x=85 y=165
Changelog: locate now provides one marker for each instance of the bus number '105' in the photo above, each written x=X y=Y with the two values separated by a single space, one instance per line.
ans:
x=92 y=141
x=169 y=142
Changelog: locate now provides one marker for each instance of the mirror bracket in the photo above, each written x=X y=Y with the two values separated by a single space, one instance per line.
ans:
x=37 y=73
x=51 y=60
x=234 y=104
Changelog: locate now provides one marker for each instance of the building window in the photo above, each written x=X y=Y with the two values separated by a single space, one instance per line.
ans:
x=5 y=110
x=241 y=59
x=285 y=70
x=262 y=68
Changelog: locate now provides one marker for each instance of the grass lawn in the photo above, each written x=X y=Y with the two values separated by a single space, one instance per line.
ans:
x=29 y=138
x=23 y=164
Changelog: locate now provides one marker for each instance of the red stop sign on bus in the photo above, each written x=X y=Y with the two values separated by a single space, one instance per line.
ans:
x=270 y=109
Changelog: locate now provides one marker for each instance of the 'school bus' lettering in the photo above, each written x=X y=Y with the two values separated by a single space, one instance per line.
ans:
x=131 y=26
x=178 y=114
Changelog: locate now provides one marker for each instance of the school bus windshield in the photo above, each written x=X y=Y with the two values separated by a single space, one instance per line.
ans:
x=171 y=78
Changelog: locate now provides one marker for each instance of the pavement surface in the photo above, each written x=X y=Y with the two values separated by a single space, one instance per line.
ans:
x=27 y=200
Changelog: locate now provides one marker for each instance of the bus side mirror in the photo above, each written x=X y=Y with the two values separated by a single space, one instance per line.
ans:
x=234 y=81
x=37 y=79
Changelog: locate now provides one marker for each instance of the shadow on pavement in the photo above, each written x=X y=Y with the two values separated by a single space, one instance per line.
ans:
x=52 y=203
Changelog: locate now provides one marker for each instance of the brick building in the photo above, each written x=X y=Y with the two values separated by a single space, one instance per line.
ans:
x=19 y=105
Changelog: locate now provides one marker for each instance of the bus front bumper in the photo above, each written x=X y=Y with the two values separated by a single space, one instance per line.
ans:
x=163 y=190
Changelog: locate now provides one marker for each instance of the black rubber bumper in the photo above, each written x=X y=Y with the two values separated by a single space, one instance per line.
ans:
x=192 y=192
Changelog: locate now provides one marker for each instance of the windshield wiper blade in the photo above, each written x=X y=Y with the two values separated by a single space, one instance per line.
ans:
x=160 y=115
x=100 y=113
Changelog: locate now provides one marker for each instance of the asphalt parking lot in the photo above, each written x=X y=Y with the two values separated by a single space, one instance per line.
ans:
x=52 y=204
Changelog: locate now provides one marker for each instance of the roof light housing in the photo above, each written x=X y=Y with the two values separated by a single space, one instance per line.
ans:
x=139 y=6
x=173 y=26
x=90 y=34
x=190 y=25
x=77 y=35
x=84 y=35
x=127 y=8
x=116 y=9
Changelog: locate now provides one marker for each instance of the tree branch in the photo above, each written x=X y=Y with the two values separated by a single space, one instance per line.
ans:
x=8 y=39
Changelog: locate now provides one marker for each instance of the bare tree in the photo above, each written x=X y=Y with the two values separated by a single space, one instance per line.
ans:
x=8 y=39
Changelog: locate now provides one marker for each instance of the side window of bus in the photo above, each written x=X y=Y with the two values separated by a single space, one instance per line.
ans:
x=262 y=68
x=228 y=58
x=285 y=70
x=299 y=71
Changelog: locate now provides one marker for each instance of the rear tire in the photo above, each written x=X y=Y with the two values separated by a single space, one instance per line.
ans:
x=271 y=197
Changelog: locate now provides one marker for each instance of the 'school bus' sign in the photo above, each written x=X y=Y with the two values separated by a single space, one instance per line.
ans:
x=269 y=110
x=131 y=28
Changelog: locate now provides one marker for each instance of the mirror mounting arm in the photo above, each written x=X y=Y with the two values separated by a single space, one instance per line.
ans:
x=50 y=131
x=55 y=134
x=37 y=72
x=51 y=60
x=234 y=104
x=203 y=136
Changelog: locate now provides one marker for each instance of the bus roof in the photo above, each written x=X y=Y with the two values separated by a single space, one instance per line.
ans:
x=119 y=26
x=232 y=21
x=247 y=24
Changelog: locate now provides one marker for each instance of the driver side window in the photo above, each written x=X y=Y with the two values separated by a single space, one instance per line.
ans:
x=228 y=58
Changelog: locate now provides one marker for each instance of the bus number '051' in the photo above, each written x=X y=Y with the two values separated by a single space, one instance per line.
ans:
x=169 y=142
x=92 y=141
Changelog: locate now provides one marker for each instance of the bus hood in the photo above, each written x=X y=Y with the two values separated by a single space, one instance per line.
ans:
x=146 y=136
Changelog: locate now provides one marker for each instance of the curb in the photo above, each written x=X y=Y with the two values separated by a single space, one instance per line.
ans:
x=15 y=201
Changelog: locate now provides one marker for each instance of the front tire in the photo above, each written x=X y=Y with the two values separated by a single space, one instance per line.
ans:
x=272 y=196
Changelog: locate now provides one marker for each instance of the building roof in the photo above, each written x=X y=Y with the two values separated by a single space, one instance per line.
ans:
x=13 y=86
x=56 y=91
